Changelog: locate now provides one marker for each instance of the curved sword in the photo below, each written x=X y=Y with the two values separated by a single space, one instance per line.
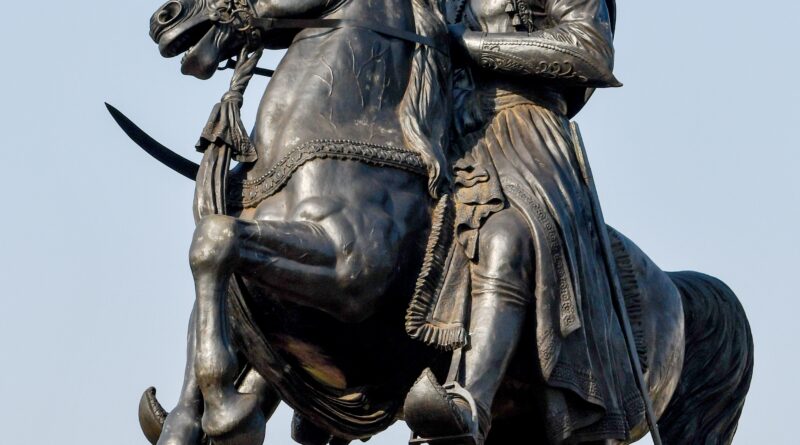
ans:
x=154 y=148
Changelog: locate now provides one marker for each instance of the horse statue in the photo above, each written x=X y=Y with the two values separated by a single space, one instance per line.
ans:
x=310 y=247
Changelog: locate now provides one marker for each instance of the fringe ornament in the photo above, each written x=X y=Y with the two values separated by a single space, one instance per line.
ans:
x=225 y=125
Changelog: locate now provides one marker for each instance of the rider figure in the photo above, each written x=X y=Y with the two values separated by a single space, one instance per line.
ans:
x=524 y=221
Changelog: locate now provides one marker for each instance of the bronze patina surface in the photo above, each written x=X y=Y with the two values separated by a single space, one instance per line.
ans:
x=411 y=231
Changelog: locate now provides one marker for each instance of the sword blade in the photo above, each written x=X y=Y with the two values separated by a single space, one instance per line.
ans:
x=154 y=148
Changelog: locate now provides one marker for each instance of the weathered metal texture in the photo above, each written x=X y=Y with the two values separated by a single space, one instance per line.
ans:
x=413 y=207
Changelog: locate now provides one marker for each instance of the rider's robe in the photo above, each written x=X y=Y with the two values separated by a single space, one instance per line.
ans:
x=521 y=154
x=525 y=158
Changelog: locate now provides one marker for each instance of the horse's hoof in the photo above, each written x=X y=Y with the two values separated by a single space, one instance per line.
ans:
x=239 y=422
x=441 y=415
x=151 y=415
x=306 y=433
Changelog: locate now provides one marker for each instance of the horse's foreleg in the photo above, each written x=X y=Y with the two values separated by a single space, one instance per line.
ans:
x=223 y=246
x=306 y=263
x=182 y=426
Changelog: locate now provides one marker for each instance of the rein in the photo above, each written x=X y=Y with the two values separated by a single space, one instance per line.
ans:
x=241 y=15
x=266 y=24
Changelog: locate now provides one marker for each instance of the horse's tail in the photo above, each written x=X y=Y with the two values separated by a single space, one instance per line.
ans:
x=708 y=401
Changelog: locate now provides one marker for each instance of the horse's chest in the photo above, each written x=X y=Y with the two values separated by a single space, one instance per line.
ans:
x=346 y=87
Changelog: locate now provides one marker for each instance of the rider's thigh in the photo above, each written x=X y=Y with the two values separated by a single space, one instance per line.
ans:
x=504 y=266
x=505 y=245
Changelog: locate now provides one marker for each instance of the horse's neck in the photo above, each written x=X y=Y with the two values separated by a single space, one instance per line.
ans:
x=344 y=84
x=394 y=13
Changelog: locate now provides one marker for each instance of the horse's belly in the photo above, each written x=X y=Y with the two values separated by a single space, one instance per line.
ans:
x=372 y=354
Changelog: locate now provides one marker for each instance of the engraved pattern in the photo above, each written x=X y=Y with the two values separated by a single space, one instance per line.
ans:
x=631 y=290
x=495 y=55
x=579 y=380
x=559 y=70
x=569 y=313
x=521 y=15
x=248 y=193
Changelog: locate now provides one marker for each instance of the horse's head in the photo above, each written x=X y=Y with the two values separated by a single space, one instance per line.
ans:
x=207 y=31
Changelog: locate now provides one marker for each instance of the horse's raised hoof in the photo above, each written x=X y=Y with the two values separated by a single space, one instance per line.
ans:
x=239 y=423
x=151 y=415
x=306 y=433
x=441 y=415
x=163 y=428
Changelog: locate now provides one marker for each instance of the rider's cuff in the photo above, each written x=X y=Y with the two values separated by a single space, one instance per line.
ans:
x=473 y=43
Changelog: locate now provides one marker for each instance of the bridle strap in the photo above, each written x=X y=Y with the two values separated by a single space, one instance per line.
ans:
x=266 y=24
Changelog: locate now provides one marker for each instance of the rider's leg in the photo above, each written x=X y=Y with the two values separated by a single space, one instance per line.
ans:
x=501 y=292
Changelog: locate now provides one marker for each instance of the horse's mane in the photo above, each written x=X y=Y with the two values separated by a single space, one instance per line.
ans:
x=426 y=109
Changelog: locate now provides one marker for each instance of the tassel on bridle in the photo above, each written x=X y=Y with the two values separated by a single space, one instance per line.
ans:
x=225 y=125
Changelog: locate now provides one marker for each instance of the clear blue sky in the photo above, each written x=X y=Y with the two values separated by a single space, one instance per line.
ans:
x=695 y=158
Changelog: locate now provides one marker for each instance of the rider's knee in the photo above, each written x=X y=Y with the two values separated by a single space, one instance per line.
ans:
x=214 y=242
x=505 y=245
x=504 y=266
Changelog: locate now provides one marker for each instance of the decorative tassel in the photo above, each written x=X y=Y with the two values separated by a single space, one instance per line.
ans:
x=225 y=125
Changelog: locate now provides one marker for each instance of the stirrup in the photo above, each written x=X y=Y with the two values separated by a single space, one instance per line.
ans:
x=462 y=439
x=435 y=418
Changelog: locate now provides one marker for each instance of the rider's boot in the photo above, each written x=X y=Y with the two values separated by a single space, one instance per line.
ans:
x=501 y=292
x=442 y=415
x=497 y=320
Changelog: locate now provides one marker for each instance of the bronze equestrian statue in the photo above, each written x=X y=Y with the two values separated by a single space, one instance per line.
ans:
x=411 y=232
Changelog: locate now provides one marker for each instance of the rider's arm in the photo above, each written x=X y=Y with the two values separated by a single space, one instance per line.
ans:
x=577 y=49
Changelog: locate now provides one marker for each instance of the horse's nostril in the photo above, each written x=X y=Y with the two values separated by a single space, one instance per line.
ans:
x=169 y=13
